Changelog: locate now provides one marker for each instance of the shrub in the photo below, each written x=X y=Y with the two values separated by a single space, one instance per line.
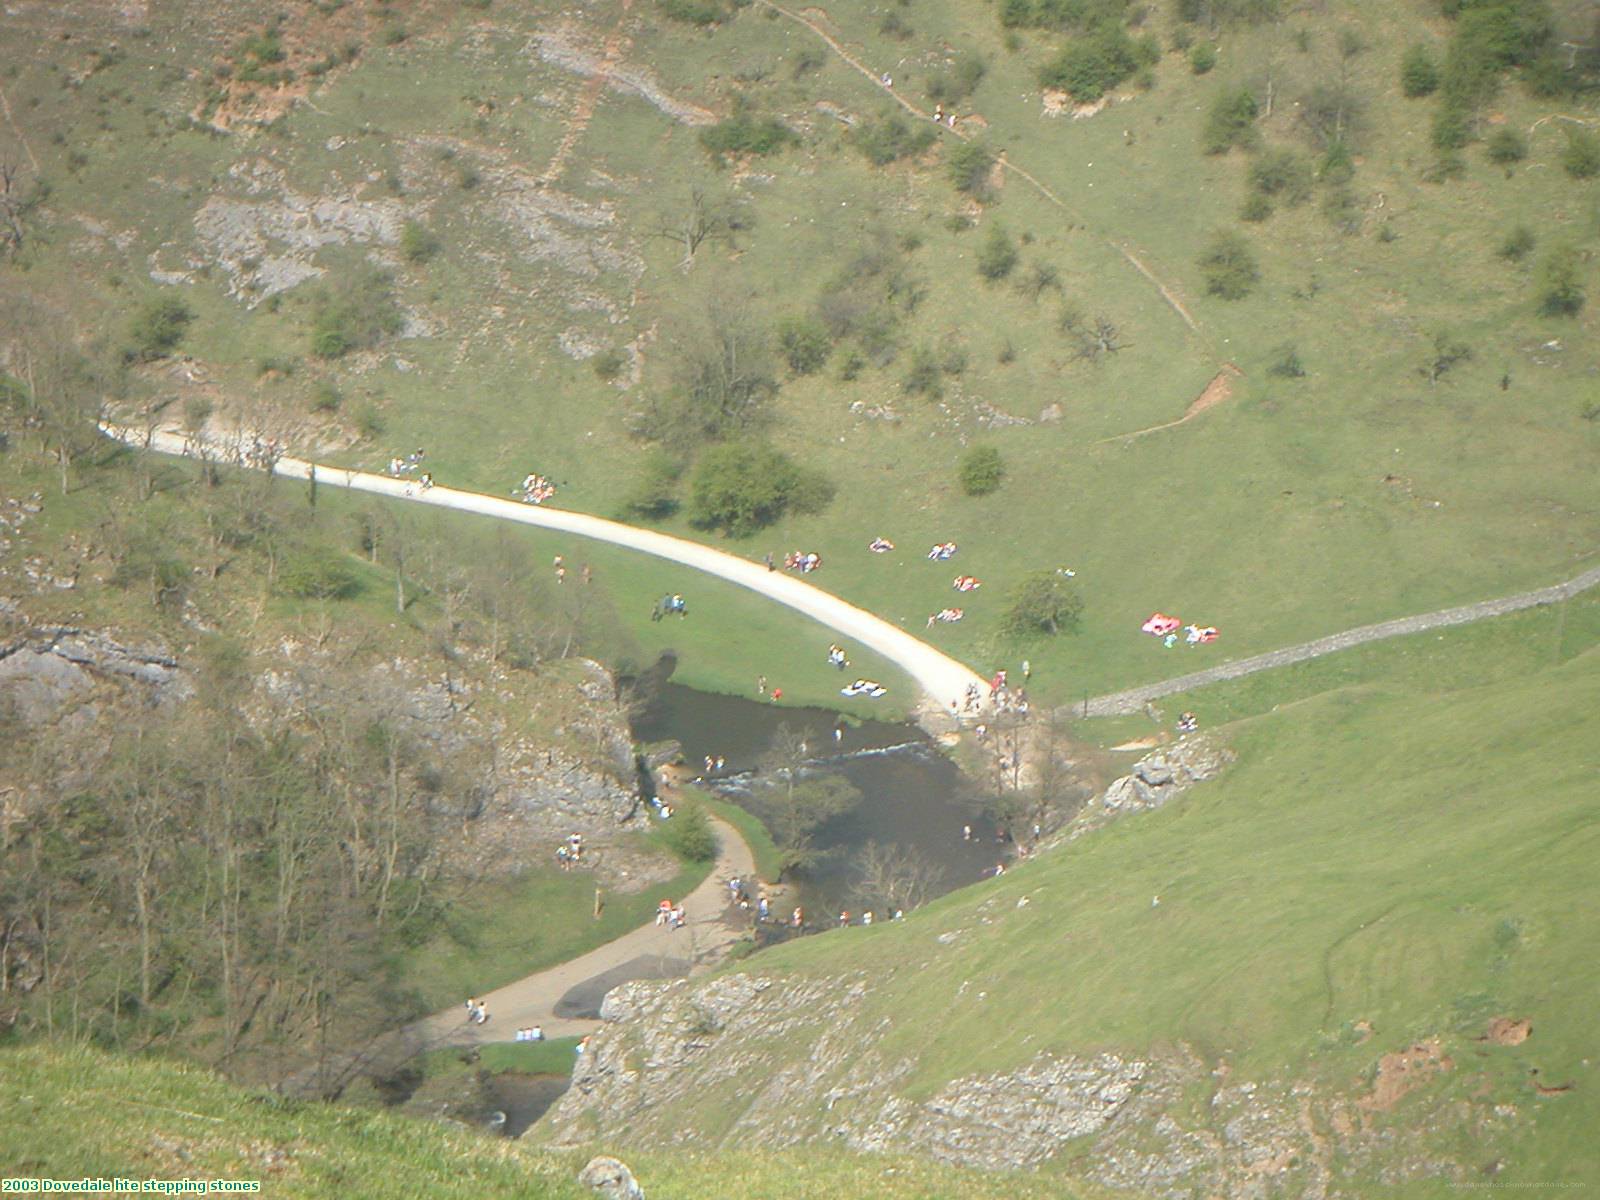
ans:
x=1507 y=146
x=1092 y=64
x=689 y=834
x=1256 y=207
x=158 y=327
x=969 y=165
x=745 y=133
x=804 y=344
x=608 y=364
x=693 y=12
x=418 y=243
x=1517 y=244
x=1561 y=292
x=894 y=25
x=1229 y=267
x=740 y=487
x=924 y=377
x=958 y=82
x=1202 y=57
x=1580 y=157
x=314 y=574
x=1283 y=173
x=1452 y=126
x=1231 y=122
x=886 y=140
x=1286 y=363
x=355 y=313
x=325 y=397
x=1043 y=602
x=981 y=470
x=655 y=494
x=998 y=255
x=1419 y=74
x=369 y=421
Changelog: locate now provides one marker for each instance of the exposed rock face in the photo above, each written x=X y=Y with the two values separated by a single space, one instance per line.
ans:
x=1154 y=781
x=44 y=673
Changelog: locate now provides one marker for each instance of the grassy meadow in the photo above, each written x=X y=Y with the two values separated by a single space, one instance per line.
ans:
x=1297 y=507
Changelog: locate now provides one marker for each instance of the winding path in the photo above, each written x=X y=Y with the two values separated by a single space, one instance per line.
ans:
x=941 y=677
x=1134 y=699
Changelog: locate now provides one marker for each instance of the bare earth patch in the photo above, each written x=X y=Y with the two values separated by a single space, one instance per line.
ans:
x=1403 y=1072
x=1216 y=392
x=1503 y=1031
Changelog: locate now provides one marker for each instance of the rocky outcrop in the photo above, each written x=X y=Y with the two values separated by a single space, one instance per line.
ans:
x=45 y=673
x=610 y=1179
x=1154 y=781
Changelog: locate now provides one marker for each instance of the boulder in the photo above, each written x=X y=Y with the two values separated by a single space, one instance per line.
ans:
x=610 y=1178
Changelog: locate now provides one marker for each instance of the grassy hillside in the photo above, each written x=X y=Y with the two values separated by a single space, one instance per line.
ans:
x=546 y=309
x=1384 y=865
x=77 y=1113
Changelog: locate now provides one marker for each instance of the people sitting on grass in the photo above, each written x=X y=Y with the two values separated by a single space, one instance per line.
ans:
x=1200 y=635
x=880 y=545
x=802 y=560
x=864 y=687
x=966 y=583
x=1188 y=723
x=535 y=489
x=942 y=552
x=947 y=615
x=836 y=657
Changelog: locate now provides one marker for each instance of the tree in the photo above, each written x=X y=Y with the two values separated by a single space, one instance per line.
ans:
x=981 y=470
x=1231 y=121
x=158 y=327
x=14 y=206
x=805 y=344
x=969 y=165
x=355 y=313
x=694 y=222
x=1447 y=352
x=1561 y=292
x=795 y=805
x=742 y=486
x=689 y=834
x=895 y=877
x=1229 y=266
x=655 y=494
x=1419 y=73
x=63 y=387
x=721 y=379
x=1043 y=602
x=998 y=255
x=1092 y=338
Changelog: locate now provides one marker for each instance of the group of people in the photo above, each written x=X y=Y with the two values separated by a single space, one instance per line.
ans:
x=1188 y=723
x=404 y=466
x=670 y=915
x=864 y=687
x=535 y=489
x=966 y=583
x=947 y=615
x=477 y=1011
x=533 y=1033
x=801 y=560
x=880 y=545
x=1159 y=625
x=836 y=657
x=570 y=853
x=263 y=454
x=942 y=552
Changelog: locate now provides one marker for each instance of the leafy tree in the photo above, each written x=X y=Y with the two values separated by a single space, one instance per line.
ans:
x=804 y=343
x=981 y=469
x=1580 y=157
x=1561 y=292
x=998 y=255
x=1043 y=602
x=969 y=165
x=1230 y=121
x=356 y=313
x=1419 y=73
x=795 y=803
x=312 y=573
x=158 y=327
x=890 y=138
x=689 y=834
x=1229 y=267
x=1094 y=63
x=740 y=487
x=1202 y=57
x=746 y=133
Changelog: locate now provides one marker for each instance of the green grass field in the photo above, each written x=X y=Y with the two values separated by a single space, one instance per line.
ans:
x=1299 y=507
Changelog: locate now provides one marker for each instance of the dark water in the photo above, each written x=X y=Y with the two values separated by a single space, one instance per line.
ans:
x=912 y=796
x=523 y=1098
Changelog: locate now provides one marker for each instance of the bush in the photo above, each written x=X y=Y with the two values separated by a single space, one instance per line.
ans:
x=1580 y=157
x=325 y=397
x=689 y=834
x=694 y=12
x=1092 y=64
x=1452 y=126
x=1282 y=173
x=1256 y=207
x=608 y=364
x=924 y=377
x=891 y=138
x=804 y=343
x=981 y=470
x=655 y=494
x=1419 y=74
x=1231 y=122
x=417 y=242
x=1202 y=57
x=1561 y=292
x=316 y=574
x=744 y=133
x=1507 y=146
x=998 y=255
x=1229 y=267
x=956 y=84
x=354 y=314
x=1286 y=363
x=1043 y=602
x=158 y=327
x=740 y=487
x=969 y=165
x=1517 y=244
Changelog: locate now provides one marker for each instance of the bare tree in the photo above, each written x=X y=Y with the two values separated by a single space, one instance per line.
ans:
x=898 y=877
x=1091 y=338
x=695 y=222
x=14 y=206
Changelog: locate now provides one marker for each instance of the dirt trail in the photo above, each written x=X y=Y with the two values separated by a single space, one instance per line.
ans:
x=1220 y=389
x=1004 y=161
x=1134 y=699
